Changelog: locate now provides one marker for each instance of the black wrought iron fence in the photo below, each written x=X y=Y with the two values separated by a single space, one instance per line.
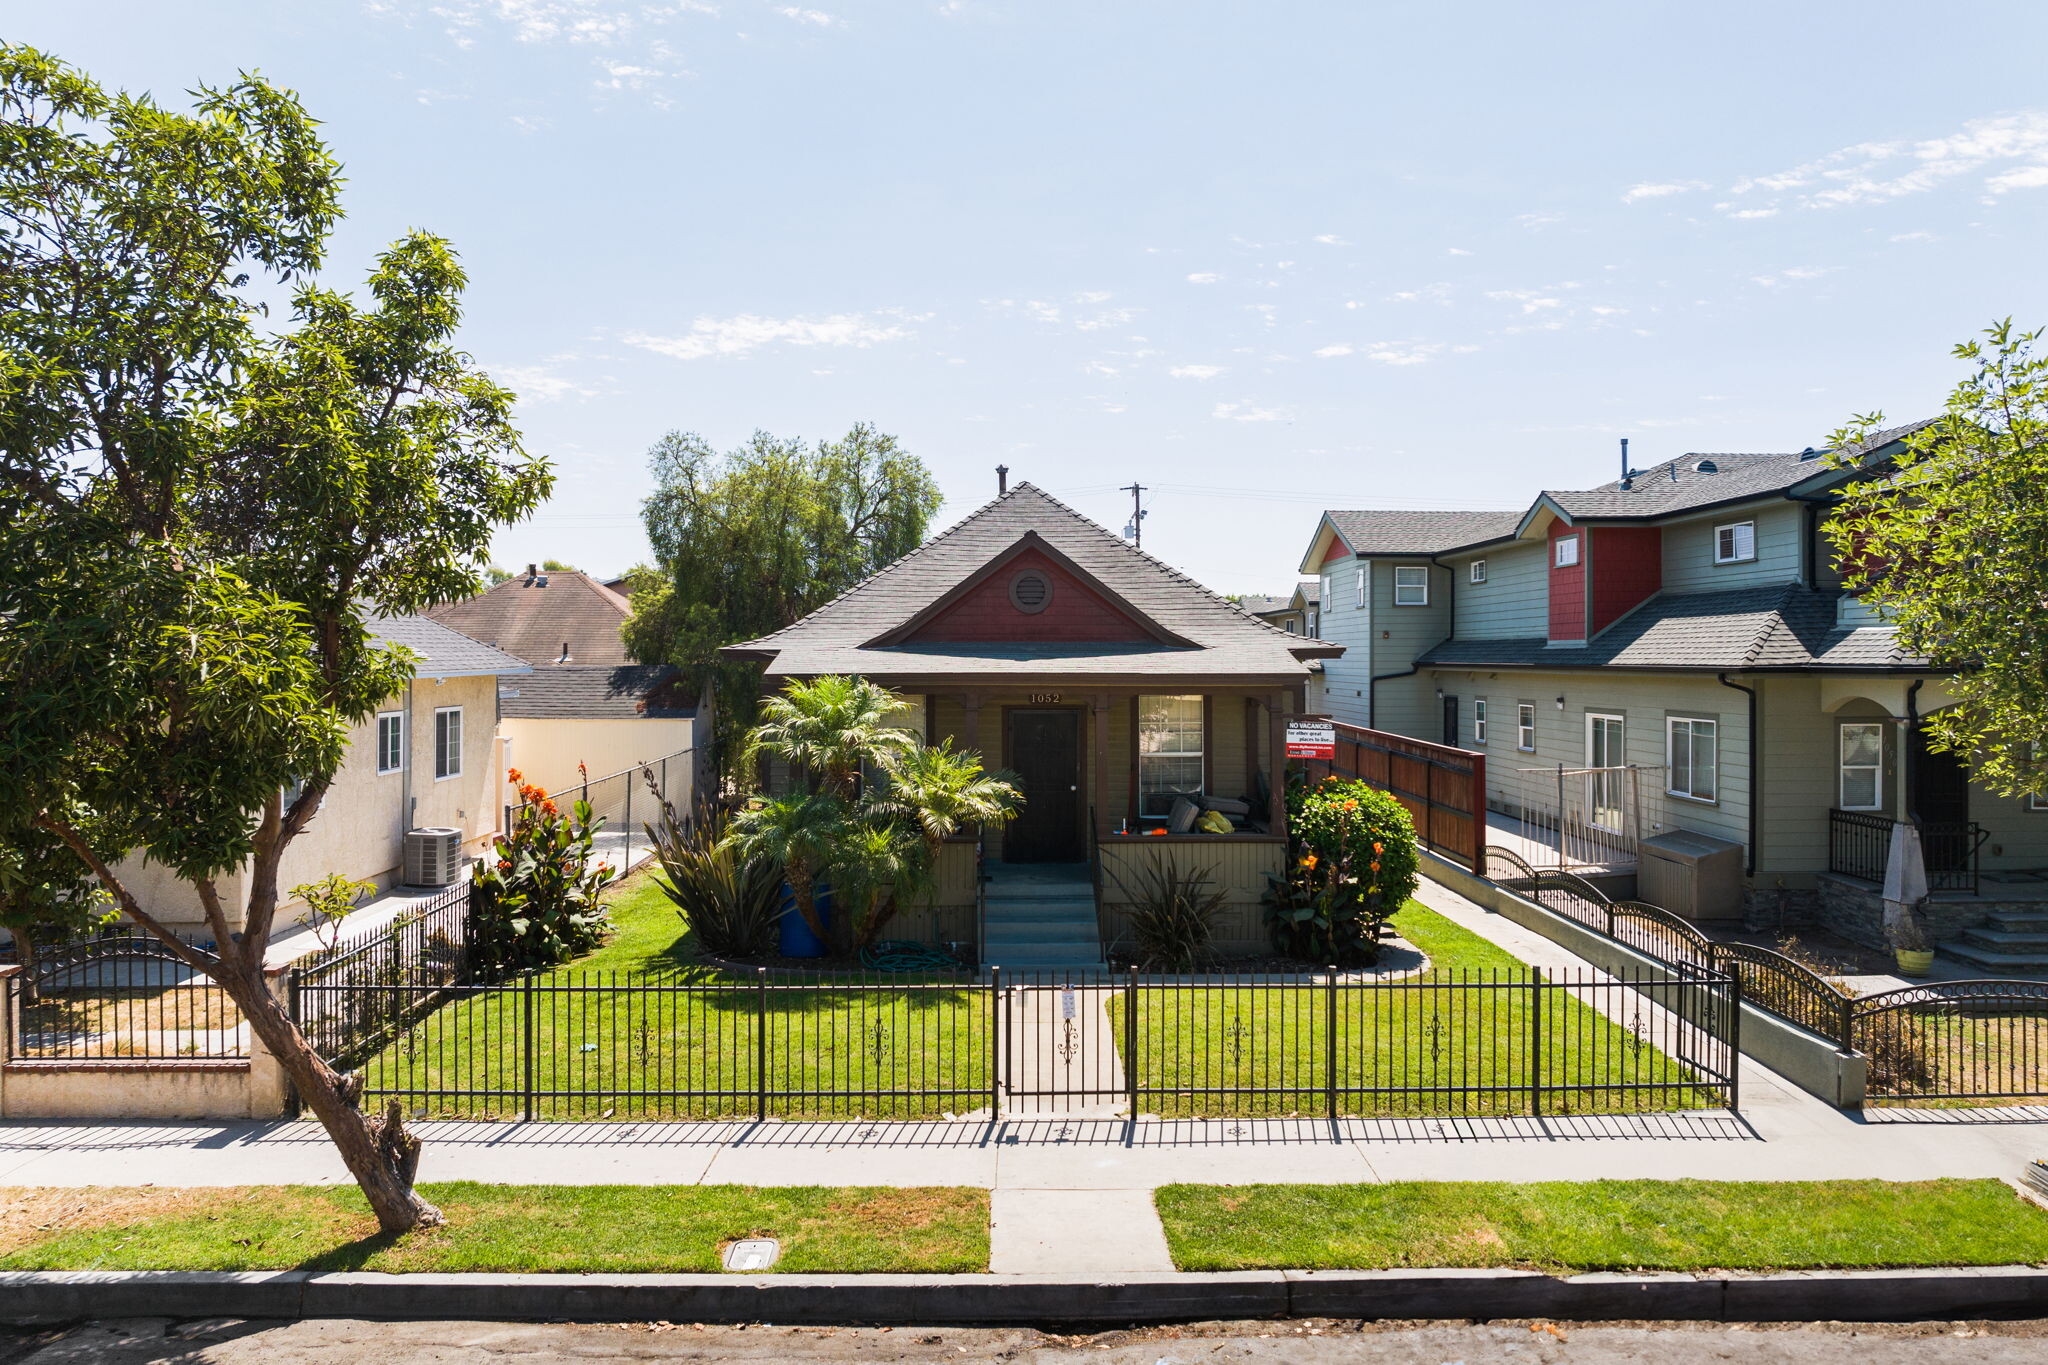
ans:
x=1860 y=842
x=1955 y=1042
x=127 y=998
x=626 y=804
x=601 y=1045
x=424 y=950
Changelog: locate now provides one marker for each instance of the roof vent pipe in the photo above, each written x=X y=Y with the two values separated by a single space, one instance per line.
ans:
x=1002 y=479
x=1626 y=483
x=565 y=653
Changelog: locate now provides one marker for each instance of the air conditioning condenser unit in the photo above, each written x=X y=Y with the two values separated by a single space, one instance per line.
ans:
x=433 y=856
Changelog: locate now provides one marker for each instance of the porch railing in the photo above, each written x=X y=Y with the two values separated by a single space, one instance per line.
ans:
x=1860 y=843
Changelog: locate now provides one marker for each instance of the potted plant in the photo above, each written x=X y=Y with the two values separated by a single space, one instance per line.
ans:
x=1908 y=937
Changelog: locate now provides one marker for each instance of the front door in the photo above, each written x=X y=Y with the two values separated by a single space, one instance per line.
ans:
x=1451 y=722
x=1045 y=753
x=1940 y=796
x=1605 y=755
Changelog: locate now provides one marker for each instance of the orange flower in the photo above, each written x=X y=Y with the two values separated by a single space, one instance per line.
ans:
x=1309 y=862
x=1351 y=805
x=1378 y=848
x=504 y=864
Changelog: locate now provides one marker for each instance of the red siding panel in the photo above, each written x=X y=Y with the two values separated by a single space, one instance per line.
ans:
x=1628 y=566
x=1076 y=613
x=1567 y=588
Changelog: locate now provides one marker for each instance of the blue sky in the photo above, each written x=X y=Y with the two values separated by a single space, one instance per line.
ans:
x=1264 y=258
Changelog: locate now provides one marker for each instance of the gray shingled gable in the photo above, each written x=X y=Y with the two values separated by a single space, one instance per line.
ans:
x=1771 y=627
x=443 y=653
x=596 y=692
x=1419 y=533
x=1224 y=640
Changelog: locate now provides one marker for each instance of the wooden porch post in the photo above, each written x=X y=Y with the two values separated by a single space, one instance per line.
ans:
x=1100 y=805
x=970 y=726
x=1276 y=762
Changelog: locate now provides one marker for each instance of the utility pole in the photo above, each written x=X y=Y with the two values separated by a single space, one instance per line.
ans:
x=1135 y=532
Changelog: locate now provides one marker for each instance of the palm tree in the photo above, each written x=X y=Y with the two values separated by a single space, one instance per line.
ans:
x=943 y=790
x=875 y=866
x=799 y=832
x=831 y=726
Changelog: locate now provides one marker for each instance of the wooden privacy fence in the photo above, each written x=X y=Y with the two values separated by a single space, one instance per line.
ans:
x=1443 y=788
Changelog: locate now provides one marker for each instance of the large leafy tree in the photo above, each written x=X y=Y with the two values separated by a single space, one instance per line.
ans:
x=1949 y=542
x=199 y=510
x=748 y=541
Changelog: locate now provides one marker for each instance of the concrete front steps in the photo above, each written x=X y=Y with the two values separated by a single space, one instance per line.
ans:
x=2008 y=941
x=1041 y=917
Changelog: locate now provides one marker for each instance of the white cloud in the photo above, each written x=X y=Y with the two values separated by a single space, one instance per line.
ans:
x=1204 y=277
x=1912 y=237
x=1797 y=272
x=1459 y=251
x=1874 y=172
x=628 y=76
x=1339 y=348
x=1754 y=213
x=1538 y=220
x=1246 y=412
x=747 y=332
x=1660 y=189
x=1531 y=300
x=1196 y=371
x=1603 y=310
x=542 y=383
x=1405 y=352
x=1332 y=239
x=807 y=16
x=1092 y=296
x=1108 y=317
x=531 y=123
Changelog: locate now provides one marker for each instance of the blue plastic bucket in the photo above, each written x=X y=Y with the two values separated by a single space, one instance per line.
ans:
x=796 y=939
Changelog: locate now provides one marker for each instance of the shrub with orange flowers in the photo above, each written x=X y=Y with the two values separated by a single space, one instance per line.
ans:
x=1351 y=866
x=538 y=900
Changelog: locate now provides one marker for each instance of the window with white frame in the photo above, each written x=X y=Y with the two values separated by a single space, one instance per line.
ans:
x=1477 y=573
x=1567 y=551
x=1735 y=542
x=1361 y=585
x=1411 y=585
x=1479 y=721
x=1315 y=625
x=1862 y=765
x=447 y=742
x=1692 y=757
x=390 y=741
x=1169 y=751
x=1525 y=726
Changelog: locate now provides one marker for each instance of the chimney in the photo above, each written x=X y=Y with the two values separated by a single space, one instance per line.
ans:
x=532 y=572
x=1626 y=484
x=1002 y=479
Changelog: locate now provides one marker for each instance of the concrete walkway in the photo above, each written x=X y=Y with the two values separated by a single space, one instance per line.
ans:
x=1072 y=1188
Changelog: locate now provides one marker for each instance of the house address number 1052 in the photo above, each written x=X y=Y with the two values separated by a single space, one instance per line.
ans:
x=1045 y=699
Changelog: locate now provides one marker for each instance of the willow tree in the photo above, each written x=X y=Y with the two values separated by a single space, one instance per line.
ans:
x=200 y=509
x=1949 y=542
x=748 y=541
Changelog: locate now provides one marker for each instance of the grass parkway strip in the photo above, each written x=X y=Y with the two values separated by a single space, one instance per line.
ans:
x=1678 y=1225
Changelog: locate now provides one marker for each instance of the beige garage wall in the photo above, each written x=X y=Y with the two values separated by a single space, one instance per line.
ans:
x=547 y=751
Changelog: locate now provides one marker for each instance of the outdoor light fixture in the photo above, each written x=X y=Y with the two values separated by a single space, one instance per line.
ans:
x=1560 y=703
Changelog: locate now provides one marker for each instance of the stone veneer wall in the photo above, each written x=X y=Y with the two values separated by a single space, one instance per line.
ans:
x=1855 y=910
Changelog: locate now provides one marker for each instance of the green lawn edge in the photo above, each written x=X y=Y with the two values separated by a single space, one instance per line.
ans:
x=1603 y=1225
x=513 y=1228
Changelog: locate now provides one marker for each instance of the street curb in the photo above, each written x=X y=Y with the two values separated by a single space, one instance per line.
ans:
x=1797 y=1296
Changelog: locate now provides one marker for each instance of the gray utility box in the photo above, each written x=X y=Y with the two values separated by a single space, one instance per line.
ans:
x=1695 y=875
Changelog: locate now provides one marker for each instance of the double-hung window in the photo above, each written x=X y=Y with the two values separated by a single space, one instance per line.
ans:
x=1169 y=751
x=390 y=741
x=447 y=742
x=1525 y=727
x=1411 y=585
x=1735 y=542
x=1477 y=573
x=1692 y=757
x=1862 y=765
x=1567 y=551
x=1479 y=721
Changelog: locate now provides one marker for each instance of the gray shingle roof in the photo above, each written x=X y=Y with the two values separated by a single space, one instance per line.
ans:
x=1770 y=627
x=1225 y=642
x=536 y=622
x=1420 y=533
x=443 y=653
x=574 y=692
x=1258 y=604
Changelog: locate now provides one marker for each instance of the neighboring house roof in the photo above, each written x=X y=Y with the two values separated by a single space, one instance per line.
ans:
x=1419 y=533
x=1311 y=590
x=1776 y=626
x=1258 y=604
x=1195 y=632
x=535 y=614
x=579 y=692
x=443 y=653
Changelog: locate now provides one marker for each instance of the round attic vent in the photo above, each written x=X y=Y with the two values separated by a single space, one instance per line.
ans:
x=1030 y=592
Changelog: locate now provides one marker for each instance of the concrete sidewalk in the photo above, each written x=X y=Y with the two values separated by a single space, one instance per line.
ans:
x=1055 y=1173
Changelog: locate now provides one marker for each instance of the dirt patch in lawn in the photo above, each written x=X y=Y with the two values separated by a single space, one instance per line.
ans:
x=36 y=1215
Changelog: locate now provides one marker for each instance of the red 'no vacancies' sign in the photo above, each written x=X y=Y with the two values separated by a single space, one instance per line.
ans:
x=1311 y=739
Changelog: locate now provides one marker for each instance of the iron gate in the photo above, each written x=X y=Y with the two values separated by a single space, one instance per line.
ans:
x=1955 y=1042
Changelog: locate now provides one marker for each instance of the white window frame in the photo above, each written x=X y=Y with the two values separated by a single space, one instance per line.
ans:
x=387 y=761
x=1566 y=554
x=1315 y=625
x=1361 y=585
x=1603 y=784
x=1144 y=754
x=1525 y=726
x=442 y=756
x=1400 y=587
x=1738 y=556
x=1692 y=724
x=1843 y=769
x=1475 y=572
x=1479 y=720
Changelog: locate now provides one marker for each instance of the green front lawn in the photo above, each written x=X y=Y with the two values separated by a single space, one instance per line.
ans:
x=567 y=1228
x=1265 y=1051
x=1602 y=1225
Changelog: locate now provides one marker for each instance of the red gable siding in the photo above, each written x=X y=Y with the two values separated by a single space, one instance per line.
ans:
x=1076 y=613
x=1628 y=565
x=1567 y=587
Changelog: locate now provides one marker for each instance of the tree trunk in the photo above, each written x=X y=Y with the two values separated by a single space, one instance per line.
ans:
x=25 y=949
x=804 y=889
x=379 y=1152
